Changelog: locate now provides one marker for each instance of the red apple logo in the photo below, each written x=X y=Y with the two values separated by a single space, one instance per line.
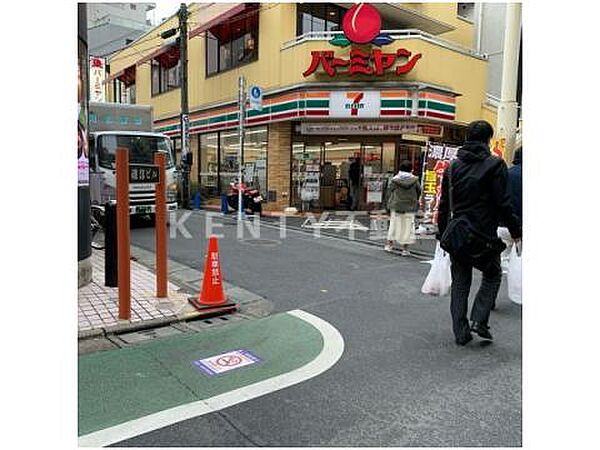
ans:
x=361 y=23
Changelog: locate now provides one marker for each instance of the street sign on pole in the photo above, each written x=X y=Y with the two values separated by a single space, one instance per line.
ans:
x=242 y=116
x=185 y=124
x=255 y=97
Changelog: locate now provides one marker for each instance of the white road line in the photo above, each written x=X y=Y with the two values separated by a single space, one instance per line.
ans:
x=333 y=348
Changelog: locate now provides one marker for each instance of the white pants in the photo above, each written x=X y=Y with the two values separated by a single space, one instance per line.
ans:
x=402 y=228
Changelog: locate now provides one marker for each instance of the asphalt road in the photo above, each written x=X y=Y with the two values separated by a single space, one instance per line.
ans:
x=401 y=380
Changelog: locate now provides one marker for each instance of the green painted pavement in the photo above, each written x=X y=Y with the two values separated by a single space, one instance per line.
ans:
x=121 y=385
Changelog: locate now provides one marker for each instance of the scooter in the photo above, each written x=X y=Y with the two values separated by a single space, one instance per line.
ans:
x=251 y=198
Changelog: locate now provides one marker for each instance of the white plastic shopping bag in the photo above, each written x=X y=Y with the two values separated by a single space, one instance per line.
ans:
x=439 y=279
x=514 y=277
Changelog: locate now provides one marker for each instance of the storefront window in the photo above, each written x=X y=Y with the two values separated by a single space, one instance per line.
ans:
x=321 y=173
x=388 y=158
x=218 y=160
x=208 y=166
x=340 y=156
x=229 y=142
x=166 y=71
x=212 y=53
x=255 y=158
x=318 y=17
x=372 y=158
x=232 y=43
x=306 y=166
x=123 y=93
x=335 y=180
x=411 y=153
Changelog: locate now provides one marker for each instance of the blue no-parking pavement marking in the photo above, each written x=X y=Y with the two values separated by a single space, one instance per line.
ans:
x=224 y=362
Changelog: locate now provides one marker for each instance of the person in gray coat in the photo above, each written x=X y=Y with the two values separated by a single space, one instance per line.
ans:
x=402 y=195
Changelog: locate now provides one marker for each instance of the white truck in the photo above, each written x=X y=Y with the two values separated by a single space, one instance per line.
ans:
x=115 y=125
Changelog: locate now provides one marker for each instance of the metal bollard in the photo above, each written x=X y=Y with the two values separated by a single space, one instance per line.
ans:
x=197 y=200
x=110 y=242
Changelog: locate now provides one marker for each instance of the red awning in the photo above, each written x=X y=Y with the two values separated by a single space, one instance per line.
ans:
x=127 y=76
x=234 y=9
x=169 y=58
x=237 y=25
x=157 y=53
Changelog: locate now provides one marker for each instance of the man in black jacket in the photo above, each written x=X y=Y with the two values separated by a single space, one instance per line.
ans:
x=354 y=175
x=480 y=193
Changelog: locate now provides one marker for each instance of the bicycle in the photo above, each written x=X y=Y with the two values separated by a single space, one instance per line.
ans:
x=98 y=223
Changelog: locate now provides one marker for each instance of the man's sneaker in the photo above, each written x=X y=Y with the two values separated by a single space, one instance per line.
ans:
x=387 y=248
x=482 y=330
x=464 y=340
x=405 y=253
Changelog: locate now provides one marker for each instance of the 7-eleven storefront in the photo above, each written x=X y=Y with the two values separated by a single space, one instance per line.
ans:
x=298 y=149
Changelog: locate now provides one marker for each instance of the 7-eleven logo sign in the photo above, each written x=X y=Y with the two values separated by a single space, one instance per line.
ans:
x=354 y=104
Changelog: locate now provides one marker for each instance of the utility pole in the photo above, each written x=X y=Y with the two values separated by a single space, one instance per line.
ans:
x=508 y=107
x=242 y=102
x=185 y=122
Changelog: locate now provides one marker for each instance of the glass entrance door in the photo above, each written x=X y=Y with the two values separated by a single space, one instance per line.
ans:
x=332 y=160
x=336 y=189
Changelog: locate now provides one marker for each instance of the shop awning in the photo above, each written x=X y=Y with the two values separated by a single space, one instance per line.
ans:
x=214 y=14
x=126 y=76
x=167 y=56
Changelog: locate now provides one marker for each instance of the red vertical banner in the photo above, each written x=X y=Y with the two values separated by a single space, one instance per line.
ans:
x=438 y=158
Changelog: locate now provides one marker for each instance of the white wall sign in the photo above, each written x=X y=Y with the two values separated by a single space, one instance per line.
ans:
x=355 y=128
x=358 y=104
x=97 y=77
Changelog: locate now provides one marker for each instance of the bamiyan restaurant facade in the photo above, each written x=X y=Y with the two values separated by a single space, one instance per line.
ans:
x=380 y=82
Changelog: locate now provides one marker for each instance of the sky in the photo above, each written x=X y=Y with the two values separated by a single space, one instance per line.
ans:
x=163 y=9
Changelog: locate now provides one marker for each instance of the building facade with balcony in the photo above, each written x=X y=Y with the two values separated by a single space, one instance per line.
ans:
x=380 y=88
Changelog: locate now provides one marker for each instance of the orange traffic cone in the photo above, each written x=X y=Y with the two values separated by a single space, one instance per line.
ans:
x=212 y=297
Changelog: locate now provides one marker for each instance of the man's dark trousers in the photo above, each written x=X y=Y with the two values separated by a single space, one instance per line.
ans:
x=462 y=275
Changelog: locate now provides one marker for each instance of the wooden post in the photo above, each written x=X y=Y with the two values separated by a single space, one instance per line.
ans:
x=160 y=228
x=124 y=281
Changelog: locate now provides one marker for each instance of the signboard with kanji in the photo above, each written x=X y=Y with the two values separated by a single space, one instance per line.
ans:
x=361 y=62
x=378 y=128
x=438 y=158
x=362 y=25
x=143 y=173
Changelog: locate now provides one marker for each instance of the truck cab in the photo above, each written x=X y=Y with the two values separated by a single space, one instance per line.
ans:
x=142 y=146
x=114 y=125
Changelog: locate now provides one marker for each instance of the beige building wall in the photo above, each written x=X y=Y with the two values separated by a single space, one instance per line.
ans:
x=277 y=68
x=464 y=33
x=280 y=68
x=279 y=163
